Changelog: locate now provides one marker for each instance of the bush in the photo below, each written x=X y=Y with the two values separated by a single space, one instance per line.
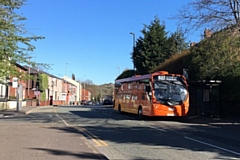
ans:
x=12 y=98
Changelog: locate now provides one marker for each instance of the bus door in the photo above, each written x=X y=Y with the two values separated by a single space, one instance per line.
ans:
x=128 y=98
x=148 y=100
x=129 y=102
x=135 y=97
x=134 y=104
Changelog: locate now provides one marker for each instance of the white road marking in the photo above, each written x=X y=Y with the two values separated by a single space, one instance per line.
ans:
x=63 y=120
x=156 y=128
x=214 y=146
x=159 y=129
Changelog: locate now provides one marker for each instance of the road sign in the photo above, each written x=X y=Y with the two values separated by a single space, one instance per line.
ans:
x=15 y=82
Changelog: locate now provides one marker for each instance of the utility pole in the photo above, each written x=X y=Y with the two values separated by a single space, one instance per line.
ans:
x=29 y=75
x=84 y=88
x=101 y=95
x=66 y=69
x=118 y=68
x=16 y=86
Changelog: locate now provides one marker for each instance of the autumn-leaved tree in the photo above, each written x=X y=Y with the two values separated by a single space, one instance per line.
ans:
x=15 y=40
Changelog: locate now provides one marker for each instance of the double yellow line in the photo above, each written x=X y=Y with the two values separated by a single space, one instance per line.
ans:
x=93 y=137
x=89 y=135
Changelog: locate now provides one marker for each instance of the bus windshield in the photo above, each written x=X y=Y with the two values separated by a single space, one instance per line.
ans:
x=170 y=91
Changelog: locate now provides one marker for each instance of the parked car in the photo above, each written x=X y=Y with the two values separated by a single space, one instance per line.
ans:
x=83 y=102
x=107 y=102
x=89 y=103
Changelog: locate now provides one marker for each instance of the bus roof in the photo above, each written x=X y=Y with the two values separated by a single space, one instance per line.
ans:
x=141 y=77
x=134 y=78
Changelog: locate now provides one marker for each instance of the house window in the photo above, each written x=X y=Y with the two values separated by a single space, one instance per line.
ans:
x=55 y=95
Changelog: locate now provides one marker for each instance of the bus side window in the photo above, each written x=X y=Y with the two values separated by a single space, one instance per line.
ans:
x=134 y=97
x=129 y=86
x=139 y=86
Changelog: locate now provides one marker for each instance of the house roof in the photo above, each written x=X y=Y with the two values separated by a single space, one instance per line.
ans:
x=37 y=71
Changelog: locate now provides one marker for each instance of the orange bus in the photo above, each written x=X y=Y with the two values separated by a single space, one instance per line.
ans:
x=156 y=94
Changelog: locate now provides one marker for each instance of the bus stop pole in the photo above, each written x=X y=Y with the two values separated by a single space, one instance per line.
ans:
x=17 y=98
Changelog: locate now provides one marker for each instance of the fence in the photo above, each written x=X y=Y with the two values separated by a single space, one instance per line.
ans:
x=44 y=103
x=6 y=105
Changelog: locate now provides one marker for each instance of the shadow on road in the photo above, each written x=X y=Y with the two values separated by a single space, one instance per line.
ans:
x=82 y=155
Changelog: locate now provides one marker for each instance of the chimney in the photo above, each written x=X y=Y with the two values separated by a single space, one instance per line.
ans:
x=207 y=33
x=192 y=44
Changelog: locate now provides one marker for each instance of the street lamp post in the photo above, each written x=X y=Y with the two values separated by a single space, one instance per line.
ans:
x=29 y=76
x=118 y=68
x=53 y=83
x=84 y=88
x=133 y=47
x=28 y=79
x=101 y=94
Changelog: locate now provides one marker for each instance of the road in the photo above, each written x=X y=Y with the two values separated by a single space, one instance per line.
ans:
x=118 y=136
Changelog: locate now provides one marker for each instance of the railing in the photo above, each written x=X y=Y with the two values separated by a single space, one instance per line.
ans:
x=5 y=105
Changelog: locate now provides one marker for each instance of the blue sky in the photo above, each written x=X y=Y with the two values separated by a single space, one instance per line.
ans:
x=91 y=38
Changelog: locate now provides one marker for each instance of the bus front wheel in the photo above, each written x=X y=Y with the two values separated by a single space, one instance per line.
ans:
x=140 y=113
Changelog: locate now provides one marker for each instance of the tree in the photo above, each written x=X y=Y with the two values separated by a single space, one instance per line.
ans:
x=212 y=14
x=216 y=57
x=126 y=73
x=175 y=64
x=177 y=41
x=43 y=81
x=152 y=48
x=218 y=54
x=15 y=41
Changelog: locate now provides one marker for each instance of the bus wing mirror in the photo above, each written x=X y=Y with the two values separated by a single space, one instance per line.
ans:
x=118 y=84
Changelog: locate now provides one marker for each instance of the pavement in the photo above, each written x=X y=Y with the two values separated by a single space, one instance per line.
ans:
x=14 y=112
x=214 y=120
x=86 y=151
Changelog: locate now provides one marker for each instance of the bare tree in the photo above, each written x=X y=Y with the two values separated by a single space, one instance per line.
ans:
x=212 y=14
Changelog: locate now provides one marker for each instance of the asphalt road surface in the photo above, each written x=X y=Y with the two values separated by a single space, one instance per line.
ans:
x=99 y=132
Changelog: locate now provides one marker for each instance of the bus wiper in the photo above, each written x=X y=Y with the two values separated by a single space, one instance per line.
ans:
x=172 y=82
